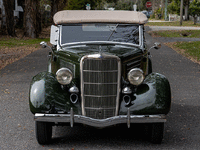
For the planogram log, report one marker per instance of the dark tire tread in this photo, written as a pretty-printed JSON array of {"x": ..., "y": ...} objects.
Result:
[
  {"x": 43, "y": 132},
  {"x": 156, "y": 135}
]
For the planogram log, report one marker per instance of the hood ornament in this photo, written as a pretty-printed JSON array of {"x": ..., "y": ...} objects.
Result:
[{"x": 100, "y": 52}]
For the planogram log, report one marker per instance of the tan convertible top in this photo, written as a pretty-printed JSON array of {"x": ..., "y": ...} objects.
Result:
[{"x": 98, "y": 16}]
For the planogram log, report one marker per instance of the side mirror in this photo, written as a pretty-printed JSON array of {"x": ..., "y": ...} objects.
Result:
[
  {"x": 43, "y": 44},
  {"x": 157, "y": 45}
]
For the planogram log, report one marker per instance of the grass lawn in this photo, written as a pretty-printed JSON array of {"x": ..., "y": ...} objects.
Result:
[
  {"x": 188, "y": 49},
  {"x": 176, "y": 33},
  {"x": 15, "y": 42}
]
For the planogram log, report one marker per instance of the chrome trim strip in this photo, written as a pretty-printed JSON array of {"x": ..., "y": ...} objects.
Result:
[
  {"x": 141, "y": 37},
  {"x": 100, "y": 56},
  {"x": 99, "y": 108},
  {"x": 60, "y": 36},
  {"x": 100, "y": 95},
  {"x": 128, "y": 118},
  {"x": 99, "y": 71},
  {"x": 101, "y": 42},
  {"x": 134, "y": 62},
  {"x": 71, "y": 118},
  {"x": 98, "y": 83}
]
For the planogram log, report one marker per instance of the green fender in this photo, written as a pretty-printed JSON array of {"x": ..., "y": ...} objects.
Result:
[
  {"x": 151, "y": 97},
  {"x": 46, "y": 95}
]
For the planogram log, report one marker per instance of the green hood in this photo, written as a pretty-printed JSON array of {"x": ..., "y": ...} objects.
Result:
[
  {"x": 70, "y": 57},
  {"x": 77, "y": 52}
]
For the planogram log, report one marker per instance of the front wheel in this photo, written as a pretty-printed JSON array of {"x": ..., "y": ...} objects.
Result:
[
  {"x": 156, "y": 132},
  {"x": 43, "y": 132}
]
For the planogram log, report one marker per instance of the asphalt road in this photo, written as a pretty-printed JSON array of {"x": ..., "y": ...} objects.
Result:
[{"x": 182, "y": 129}]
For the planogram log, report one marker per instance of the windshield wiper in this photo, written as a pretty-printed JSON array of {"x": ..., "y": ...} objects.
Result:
[{"x": 112, "y": 32}]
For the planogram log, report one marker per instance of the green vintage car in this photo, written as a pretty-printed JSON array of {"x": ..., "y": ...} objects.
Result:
[{"x": 99, "y": 74}]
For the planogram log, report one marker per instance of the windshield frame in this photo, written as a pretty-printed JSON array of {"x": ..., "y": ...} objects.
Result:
[{"x": 140, "y": 45}]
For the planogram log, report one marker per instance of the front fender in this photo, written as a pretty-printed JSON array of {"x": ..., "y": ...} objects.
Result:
[
  {"x": 46, "y": 94},
  {"x": 151, "y": 97}
]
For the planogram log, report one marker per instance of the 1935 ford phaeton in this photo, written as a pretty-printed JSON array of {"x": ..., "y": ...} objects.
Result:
[{"x": 99, "y": 74}]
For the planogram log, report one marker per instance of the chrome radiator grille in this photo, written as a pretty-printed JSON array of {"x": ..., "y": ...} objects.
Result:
[{"x": 100, "y": 78}]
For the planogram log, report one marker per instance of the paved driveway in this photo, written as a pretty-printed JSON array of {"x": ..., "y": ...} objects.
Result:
[{"x": 182, "y": 130}]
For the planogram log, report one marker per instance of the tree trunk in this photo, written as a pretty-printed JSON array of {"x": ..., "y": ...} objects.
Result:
[
  {"x": 54, "y": 7},
  {"x": 186, "y": 11},
  {"x": 10, "y": 24},
  {"x": 32, "y": 21},
  {"x": 195, "y": 19},
  {"x": 181, "y": 13}
]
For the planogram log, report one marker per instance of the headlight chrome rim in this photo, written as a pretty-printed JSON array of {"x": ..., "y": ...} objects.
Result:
[
  {"x": 136, "y": 76},
  {"x": 64, "y": 76}
]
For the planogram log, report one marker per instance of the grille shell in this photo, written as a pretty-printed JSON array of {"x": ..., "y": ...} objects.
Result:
[{"x": 100, "y": 85}]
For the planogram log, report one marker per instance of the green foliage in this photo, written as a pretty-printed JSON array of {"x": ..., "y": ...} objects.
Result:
[
  {"x": 79, "y": 4},
  {"x": 158, "y": 11},
  {"x": 124, "y": 5},
  {"x": 194, "y": 9},
  {"x": 174, "y": 7},
  {"x": 121, "y": 4}
]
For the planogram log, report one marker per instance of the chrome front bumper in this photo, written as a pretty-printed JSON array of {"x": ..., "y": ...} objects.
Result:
[{"x": 100, "y": 123}]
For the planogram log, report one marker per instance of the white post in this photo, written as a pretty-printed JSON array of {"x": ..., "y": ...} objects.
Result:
[
  {"x": 88, "y": 7},
  {"x": 134, "y": 7}
]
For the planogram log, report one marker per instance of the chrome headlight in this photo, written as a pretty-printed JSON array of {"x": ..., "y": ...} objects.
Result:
[
  {"x": 64, "y": 76},
  {"x": 136, "y": 76}
]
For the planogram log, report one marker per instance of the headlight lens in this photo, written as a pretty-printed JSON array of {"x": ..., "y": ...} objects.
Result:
[
  {"x": 136, "y": 76},
  {"x": 64, "y": 76}
]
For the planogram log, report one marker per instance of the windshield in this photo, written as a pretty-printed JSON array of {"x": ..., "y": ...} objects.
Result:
[{"x": 125, "y": 33}]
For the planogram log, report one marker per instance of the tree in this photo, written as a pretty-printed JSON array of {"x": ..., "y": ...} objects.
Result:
[
  {"x": 123, "y": 5},
  {"x": 80, "y": 4},
  {"x": 32, "y": 20},
  {"x": 174, "y": 7},
  {"x": 10, "y": 24},
  {"x": 54, "y": 7},
  {"x": 194, "y": 10}
]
